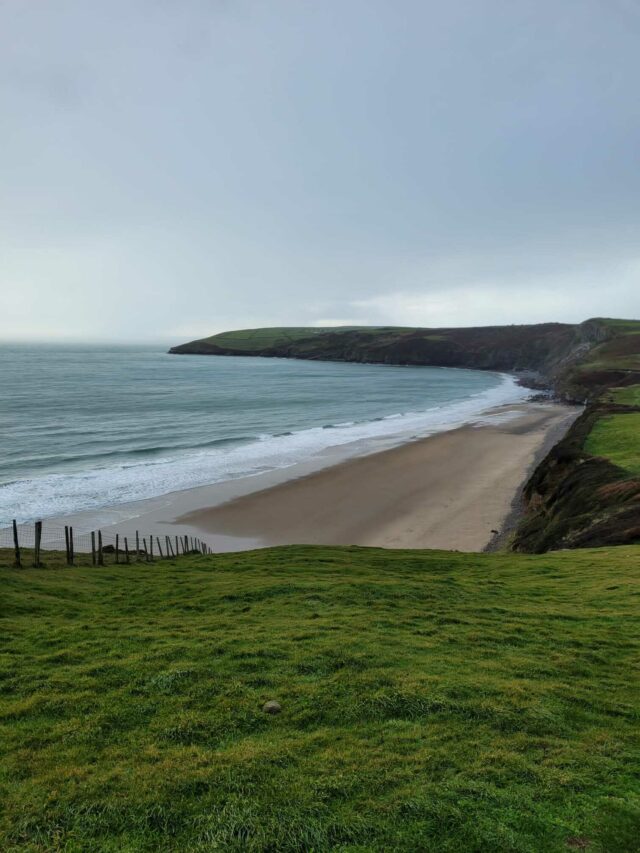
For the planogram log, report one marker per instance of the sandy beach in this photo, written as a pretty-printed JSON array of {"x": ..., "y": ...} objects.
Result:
[{"x": 451, "y": 490}]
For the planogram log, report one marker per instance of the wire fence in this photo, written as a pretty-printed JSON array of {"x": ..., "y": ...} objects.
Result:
[{"x": 29, "y": 541}]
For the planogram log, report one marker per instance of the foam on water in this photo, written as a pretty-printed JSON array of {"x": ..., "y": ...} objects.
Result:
[{"x": 66, "y": 492}]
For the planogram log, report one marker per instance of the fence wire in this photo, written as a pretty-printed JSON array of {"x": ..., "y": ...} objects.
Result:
[{"x": 101, "y": 547}]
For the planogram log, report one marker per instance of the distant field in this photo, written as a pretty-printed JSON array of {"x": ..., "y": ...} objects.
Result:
[
  {"x": 618, "y": 438},
  {"x": 430, "y": 701},
  {"x": 619, "y": 353},
  {"x": 627, "y": 396},
  {"x": 623, "y": 326},
  {"x": 258, "y": 339}
]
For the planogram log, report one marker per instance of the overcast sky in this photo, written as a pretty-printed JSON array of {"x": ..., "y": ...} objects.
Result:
[{"x": 173, "y": 168}]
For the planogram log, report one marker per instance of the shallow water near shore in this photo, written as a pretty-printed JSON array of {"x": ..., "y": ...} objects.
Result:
[{"x": 84, "y": 427}]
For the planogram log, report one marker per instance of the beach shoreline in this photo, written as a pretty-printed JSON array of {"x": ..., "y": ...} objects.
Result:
[
  {"x": 455, "y": 490},
  {"x": 452, "y": 489}
]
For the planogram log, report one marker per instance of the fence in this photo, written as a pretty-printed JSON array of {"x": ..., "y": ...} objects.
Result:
[{"x": 28, "y": 541}]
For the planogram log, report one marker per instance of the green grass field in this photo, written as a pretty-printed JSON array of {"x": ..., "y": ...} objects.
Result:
[
  {"x": 626, "y": 396},
  {"x": 617, "y": 437},
  {"x": 258, "y": 339},
  {"x": 621, "y": 326},
  {"x": 431, "y": 701},
  {"x": 250, "y": 339}
]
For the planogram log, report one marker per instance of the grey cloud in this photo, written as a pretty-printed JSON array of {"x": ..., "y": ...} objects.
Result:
[{"x": 285, "y": 163}]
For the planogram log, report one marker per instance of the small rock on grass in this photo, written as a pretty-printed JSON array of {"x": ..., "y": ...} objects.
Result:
[{"x": 272, "y": 707}]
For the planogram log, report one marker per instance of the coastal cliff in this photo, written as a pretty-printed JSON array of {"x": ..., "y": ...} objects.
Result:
[
  {"x": 580, "y": 497},
  {"x": 512, "y": 348},
  {"x": 581, "y": 494}
]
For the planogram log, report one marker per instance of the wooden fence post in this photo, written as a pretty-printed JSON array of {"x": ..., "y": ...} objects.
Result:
[
  {"x": 38, "y": 540},
  {"x": 93, "y": 548},
  {"x": 126, "y": 551},
  {"x": 71, "y": 553},
  {"x": 16, "y": 545},
  {"x": 66, "y": 542},
  {"x": 151, "y": 547},
  {"x": 100, "y": 557},
  {"x": 117, "y": 547},
  {"x": 160, "y": 548},
  {"x": 186, "y": 544},
  {"x": 137, "y": 547},
  {"x": 169, "y": 548},
  {"x": 146, "y": 553}
]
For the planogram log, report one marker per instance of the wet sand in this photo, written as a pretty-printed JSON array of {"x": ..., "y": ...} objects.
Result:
[{"x": 452, "y": 490}]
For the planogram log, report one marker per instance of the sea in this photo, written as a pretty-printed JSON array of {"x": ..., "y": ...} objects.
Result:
[{"x": 87, "y": 427}]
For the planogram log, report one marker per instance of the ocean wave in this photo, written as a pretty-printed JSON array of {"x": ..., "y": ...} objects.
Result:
[{"x": 225, "y": 459}]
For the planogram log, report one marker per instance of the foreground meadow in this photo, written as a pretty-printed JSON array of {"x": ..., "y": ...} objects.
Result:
[{"x": 431, "y": 701}]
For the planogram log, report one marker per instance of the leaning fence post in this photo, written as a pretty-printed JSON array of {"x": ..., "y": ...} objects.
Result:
[
  {"x": 126, "y": 550},
  {"x": 38, "y": 540},
  {"x": 160, "y": 548},
  {"x": 146, "y": 553},
  {"x": 93, "y": 548},
  {"x": 100, "y": 557},
  {"x": 16, "y": 544},
  {"x": 117, "y": 547},
  {"x": 169, "y": 548}
]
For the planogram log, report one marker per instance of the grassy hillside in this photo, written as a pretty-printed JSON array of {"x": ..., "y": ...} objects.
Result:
[
  {"x": 613, "y": 361},
  {"x": 587, "y": 490},
  {"x": 496, "y": 347},
  {"x": 617, "y": 437},
  {"x": 257, "y": 340},
  {"x": 580, "y": 361},
  {"x": 430, "y": 701},
  {"x": 626, "y": 396}
]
